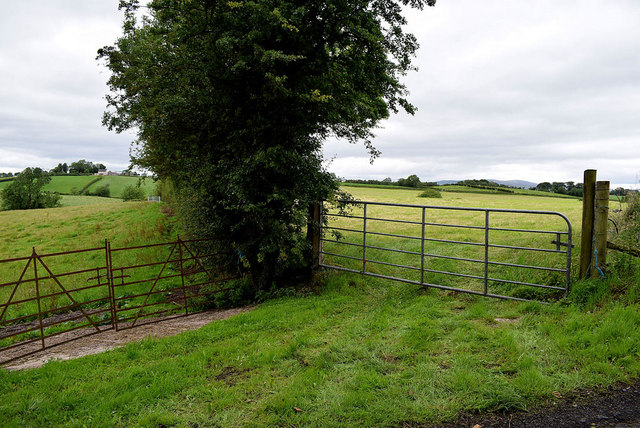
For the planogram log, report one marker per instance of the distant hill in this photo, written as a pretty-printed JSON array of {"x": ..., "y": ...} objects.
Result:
[{"x": 522, "y": 184}]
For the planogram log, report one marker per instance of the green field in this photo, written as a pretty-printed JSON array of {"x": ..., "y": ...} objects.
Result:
[
  {"x": 67, "y": 185},
  {"x": 118, "y": 183},
  {"x": 350, "y": 242},
  {"x": 454, "y": 188},
  {"x": 467, "y": 189},
  {"x": 355, "y": 351},
  {"x": 85, "y": 222}
]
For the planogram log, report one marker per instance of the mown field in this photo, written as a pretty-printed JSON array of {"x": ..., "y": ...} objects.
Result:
[{"x": 354, "y": 351}]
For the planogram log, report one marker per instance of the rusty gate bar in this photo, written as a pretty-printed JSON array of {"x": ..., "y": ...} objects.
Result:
[
  {"x": 35, "y": 276},
  {"x": 179, "y": 253},
  {"x": 19, "y": 326},
  {"x": 486, "y": 261}
]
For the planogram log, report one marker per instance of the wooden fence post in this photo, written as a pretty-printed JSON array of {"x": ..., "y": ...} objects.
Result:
[
  {"x": 600, "y": 226},
  {"x": 588, "y": 202}
]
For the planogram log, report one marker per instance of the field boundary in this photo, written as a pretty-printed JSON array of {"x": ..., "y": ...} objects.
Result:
[{"x": 116, "y": 289}]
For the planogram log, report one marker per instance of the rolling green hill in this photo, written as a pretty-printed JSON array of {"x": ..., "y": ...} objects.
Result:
[
  {"x": 67, "y": 185},
  {"x": 118, "y": 183}
]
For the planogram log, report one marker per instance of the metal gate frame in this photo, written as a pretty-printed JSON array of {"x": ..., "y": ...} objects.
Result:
[
  {"x": 103, "y": 274},
  {"x": 486, "y": 244}
]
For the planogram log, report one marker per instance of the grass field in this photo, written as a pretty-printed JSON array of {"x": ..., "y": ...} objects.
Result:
[
  {"x": 357, "y": 351},
  {"x": 453, "y": 188},
  {"x": 118, "y": 183},
  {"x": 66, "y": 185},
  {"x": 78, "y": 200},
  {"x": 85, "y": 223},
  {"x": 469, "y": 244}
]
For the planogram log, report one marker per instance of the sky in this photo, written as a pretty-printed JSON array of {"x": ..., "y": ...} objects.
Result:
[{"x": 536, "y": 91}]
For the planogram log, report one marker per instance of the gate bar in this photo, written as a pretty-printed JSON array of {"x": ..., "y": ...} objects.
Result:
[{"x": 486, "y": 244}]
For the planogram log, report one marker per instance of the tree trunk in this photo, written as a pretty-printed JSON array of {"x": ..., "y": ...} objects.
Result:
[{"x": 262, "y": 272}]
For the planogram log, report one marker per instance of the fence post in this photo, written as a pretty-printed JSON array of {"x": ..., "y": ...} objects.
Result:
[
  {"x": 112, "y": 302},
  {"x": 600, "y": 225},
  {"x": 586, "y": 240},
  {"x": 35, "y": 276}
]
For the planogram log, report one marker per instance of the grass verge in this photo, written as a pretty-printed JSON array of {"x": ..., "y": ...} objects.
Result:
[{"x": 360, "y": 352}]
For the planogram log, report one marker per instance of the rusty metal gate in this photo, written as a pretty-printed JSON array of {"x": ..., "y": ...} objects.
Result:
[
  {"x": 50, "y": 299},
  {"x": 501, "y": 253}
]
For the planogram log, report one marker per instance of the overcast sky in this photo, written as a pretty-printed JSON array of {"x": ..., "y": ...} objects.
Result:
[{"x": 535, "y": 91}]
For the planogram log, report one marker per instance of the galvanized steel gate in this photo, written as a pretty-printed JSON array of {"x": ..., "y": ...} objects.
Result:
[{"x": 362, "y": 239}]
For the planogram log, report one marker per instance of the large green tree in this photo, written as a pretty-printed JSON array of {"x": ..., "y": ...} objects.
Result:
[
  {"x": 25, "y": 191},
  {"x": 232, "y": 101}
]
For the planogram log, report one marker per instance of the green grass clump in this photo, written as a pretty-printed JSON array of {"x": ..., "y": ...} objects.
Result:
[{"x": 430, "y": 193}]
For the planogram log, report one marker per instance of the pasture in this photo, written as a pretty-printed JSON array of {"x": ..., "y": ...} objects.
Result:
[
  {"x": 68, "y": 185},
  {"x": 85, "y": 223},
  {"x": 118, "y": 183},
  {"x": 354, "y": 351},
  {"x": 344, "y": 240}
]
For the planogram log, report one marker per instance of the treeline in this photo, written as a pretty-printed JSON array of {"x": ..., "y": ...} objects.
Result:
[
  {"x": 80, "y": 167},
  {"x": 411, "y": 181},
  {"x": 414, "y": 181},
  {"x": 562, "y": 188}
]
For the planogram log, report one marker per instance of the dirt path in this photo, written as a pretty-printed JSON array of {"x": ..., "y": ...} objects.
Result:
[
  {"x": 616, "y": 407},
  {"x": 110, "y": 339}
]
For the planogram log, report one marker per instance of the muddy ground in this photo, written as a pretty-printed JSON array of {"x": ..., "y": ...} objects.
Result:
[{"x": 618, "y": 406}]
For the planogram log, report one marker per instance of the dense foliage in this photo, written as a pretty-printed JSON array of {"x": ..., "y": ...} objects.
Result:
[
  {"x": 233, "y": 100},
  {"x": 103, "y": 191},
  {"x": 562, "y": 188},
  {"x": 132, "y": 193},
  {"x": 25, "y": 191},
  {"x": 83, "y": 167},
  {"x": 630, "y": 224},
  {"x": 430, "y": 193}
]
